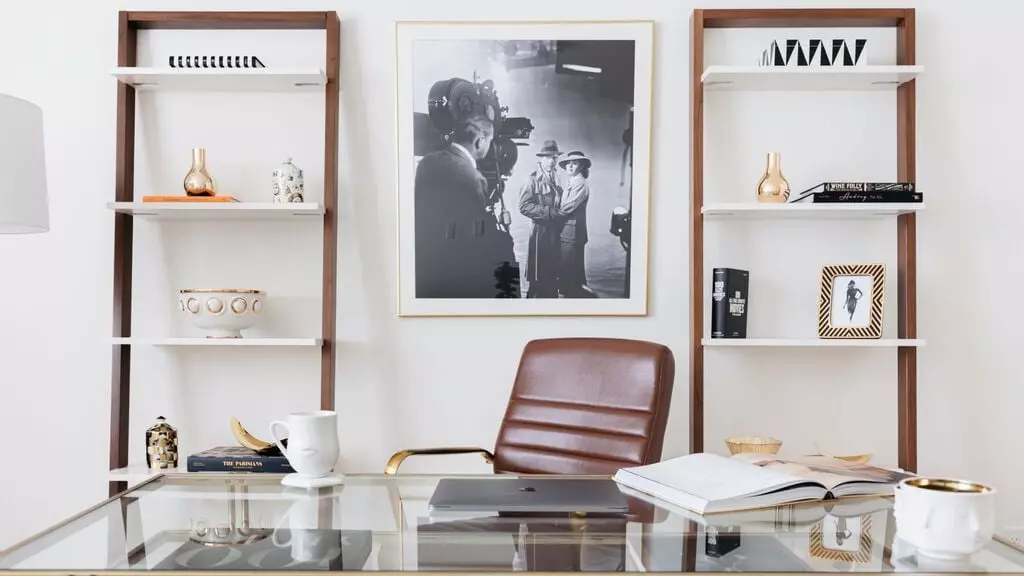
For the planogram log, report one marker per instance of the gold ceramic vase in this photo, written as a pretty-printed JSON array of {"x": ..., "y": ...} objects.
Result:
[
  {"x": 773, "y": 186},
  {"x": 198, "y": 181}
]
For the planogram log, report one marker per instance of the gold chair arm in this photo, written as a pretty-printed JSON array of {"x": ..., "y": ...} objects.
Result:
[{"x": 396, "y": 460}]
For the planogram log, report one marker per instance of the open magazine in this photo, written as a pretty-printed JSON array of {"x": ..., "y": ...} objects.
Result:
[{"x": 709, "y": 483}]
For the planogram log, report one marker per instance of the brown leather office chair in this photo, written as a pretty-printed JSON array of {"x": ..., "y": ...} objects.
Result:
[{"x": 580, "y": 406}]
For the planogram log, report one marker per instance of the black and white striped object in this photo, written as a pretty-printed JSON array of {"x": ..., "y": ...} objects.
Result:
[
  {"x": 818, "y": 52},
  {"x": 214, "y": 62}
]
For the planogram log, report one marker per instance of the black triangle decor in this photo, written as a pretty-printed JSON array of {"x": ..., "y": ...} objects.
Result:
[
  {"x": 847, "y": 57},
  {"x": 801, "y": 57},
  {"x": 780, "y": 60},
  {"x": 824, "y": 60},
  {"x": 837, "y": 48},
  {"x": 812, "y": 50},
  {"x": 859, "y": 50},
  {"x": 791, "y": 46}
]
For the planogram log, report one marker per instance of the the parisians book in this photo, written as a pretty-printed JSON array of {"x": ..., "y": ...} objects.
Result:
[
  {"x": 709, "y": 483},
  {"x": 237, "y": 459},
  {"x": 729, "y": 288}
]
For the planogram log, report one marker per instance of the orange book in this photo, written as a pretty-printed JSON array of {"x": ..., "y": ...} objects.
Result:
[{"x": 190, "y": 199}]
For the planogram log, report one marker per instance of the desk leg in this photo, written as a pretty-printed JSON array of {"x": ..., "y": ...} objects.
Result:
[
  {"x": 325, "y": 508},
  {"x": 690, "y": 547},
  {"x": 390, "y": 550},
  {"x": 119, "y": 523}
]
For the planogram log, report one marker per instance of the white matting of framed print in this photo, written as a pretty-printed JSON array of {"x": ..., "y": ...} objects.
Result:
[{"x": 523, "y": 167}]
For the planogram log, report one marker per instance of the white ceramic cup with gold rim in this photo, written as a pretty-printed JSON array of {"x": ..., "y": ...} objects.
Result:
[
  {"x": 944, "y": 518},
  {"x": 223, "y": 312}
]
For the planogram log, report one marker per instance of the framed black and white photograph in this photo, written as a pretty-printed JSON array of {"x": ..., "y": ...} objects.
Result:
[
  {"x": 851, "y": 301},
  {"x": 523, "y": 167}
]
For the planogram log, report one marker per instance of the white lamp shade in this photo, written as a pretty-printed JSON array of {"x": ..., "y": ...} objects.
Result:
[{"x": 23, "y": 201}]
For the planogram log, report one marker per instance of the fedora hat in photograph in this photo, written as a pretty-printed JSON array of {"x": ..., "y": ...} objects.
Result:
[
  {"x": 574, "y": 155},
  {"x": 550, "y": 149}
]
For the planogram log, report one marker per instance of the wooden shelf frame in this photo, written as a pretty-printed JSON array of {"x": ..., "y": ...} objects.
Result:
[
  {"x": 128, "y": 26},
  {"x": 903, "y": 20}
]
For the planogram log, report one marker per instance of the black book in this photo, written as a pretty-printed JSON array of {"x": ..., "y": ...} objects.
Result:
[
  {"x": 872, "y": 197},
  {"x": 729, "y": 302},
  {"x": 867, "y": 187},
  {"x": 237, "y": 459}
]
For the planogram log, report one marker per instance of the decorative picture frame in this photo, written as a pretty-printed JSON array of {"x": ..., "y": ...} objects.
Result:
[
  {"x": 579, "y": 93},
  {"x": 845, "y": 288}
]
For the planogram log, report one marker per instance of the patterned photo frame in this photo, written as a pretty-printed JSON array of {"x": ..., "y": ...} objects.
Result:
[{"x": 839, "y": 317}]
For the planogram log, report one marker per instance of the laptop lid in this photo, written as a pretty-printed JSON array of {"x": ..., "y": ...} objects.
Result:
[{"x": 509, "y": 494}]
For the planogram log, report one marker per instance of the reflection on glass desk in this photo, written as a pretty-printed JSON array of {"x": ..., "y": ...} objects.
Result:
[{"x": 250, "y": 522}]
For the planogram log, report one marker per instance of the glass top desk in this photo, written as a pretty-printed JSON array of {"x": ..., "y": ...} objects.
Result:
[{"x": 250, "y": 522}]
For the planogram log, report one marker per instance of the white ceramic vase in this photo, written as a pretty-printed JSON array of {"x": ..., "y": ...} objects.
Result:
[{"x": 288, "y": 183}]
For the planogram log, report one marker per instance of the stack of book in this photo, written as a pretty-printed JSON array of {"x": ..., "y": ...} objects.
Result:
[{"x": 860, "y": 192}]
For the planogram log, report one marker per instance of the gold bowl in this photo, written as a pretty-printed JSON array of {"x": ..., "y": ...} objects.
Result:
[{"x": 760, "y": 444}]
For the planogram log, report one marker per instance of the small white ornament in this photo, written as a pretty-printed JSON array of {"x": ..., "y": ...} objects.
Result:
[{"x": 288, "y": 183}]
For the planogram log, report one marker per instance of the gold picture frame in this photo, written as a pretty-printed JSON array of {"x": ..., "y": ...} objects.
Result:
[{"x": 840, "y": 312}]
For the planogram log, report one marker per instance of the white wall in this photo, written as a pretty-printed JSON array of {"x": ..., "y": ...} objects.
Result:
[{"x": 414, "y": 382}]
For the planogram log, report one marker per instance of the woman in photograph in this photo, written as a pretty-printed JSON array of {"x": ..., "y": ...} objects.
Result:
[
  {"x": 572, "y": 277},
  {"x": 853, "y": 294}
]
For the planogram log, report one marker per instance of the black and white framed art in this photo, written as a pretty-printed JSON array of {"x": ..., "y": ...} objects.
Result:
[
  {"x": 523, "y": 167},
  {"x": 850, "y": 302}
]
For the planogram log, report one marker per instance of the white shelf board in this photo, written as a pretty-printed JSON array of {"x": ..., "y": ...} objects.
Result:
[
  {"x": 222, "y": 80},
  {"x": 219, "y": 210},
  {"x": 812, "y": 342},
  {"x": 135, "y": 473},
  {"x": 754, "y": 210},
  {"x": 807, "y": 78},
  {"x": 235, "y": 342}
]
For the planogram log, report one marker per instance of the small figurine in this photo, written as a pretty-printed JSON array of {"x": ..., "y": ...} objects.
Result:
[
  {"x": 288, "y": 183},
  {"x": 161, "y": 445}
]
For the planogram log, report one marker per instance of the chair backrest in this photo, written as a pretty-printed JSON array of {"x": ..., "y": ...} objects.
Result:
[{"x": 586, "y": 406}]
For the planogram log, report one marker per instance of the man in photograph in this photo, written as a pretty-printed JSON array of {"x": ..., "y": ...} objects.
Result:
[
  {"x": 540, "y": 200},
  {"x": 460, "y": 250}
]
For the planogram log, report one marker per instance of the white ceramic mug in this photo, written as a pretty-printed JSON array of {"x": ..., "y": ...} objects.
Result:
[
  {"x": 943, "y": 518},
  {"x": 312, "y": 442}
]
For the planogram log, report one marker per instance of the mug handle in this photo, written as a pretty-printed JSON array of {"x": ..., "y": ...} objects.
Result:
[
  {"x": 277, "y": 440},
  {"x": 277, "y": 542}
]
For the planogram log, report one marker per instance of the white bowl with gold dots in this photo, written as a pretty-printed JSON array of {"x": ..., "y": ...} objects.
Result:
[{"x": 223, "y": 312}]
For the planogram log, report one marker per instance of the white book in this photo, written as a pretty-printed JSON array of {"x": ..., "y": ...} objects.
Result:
[{"x": 709, "y": 483}]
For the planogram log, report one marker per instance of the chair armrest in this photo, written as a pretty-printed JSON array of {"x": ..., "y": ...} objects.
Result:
[{"x": 396, "y": 460}]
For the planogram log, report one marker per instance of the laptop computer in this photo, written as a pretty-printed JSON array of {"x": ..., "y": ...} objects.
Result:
[{"x": 592, "y": 495}]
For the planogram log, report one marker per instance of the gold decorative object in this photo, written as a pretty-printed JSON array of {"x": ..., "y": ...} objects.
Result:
[
  {"x": 760, "y": 444},
  {"x": 161, "y": 445},
  {"x": 949, "y": 485},
  {"x": 245, "y": 439},
  {"x": 773, "y": 186},
  {"x": 198, "y": 181}
]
